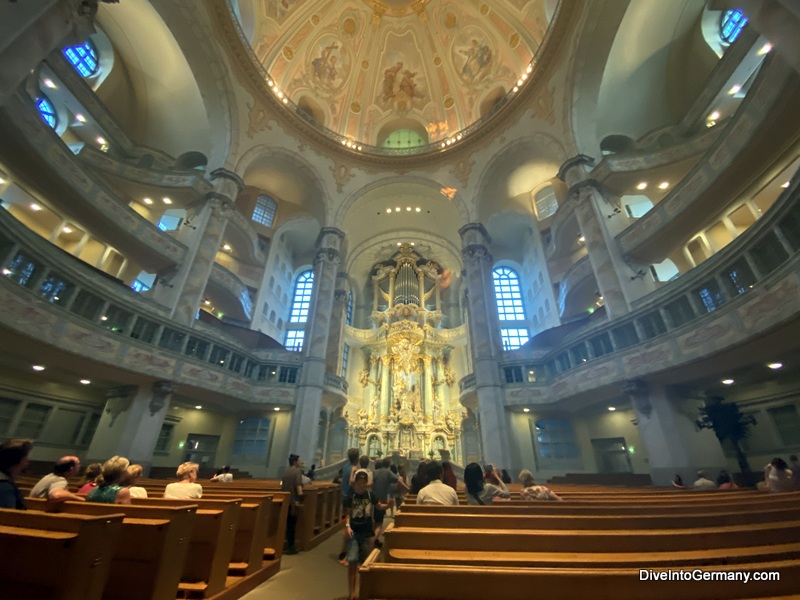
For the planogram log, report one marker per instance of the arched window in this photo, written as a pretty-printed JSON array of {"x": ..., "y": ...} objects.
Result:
[
  {"x": 545, "y": 202},
  {"x": 84, "y": 58},
  {"x": 264, "y": 211},
  {"x": 508, "y": 298},
  {"x": 404, "y": 138},
  {"x": 47, "y": 111},
  {"x": 302, "y": 297},
  {"x": 731, "y": 24}
]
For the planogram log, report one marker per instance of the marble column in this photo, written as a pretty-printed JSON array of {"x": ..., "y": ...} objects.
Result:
[
  {"x": 332, "y": 355},
  {"x": 428, "y": 374},
  {"x": 305, "y": 419},
  {"x": 592, "y": 211},
  {"x": 183, "y": 290},
  {"x": 667, "y": 429},
  {"x": 31, "y": 30},
  {"x": 386, "y": 398},
  {"x": 131, "y": 422},
  {"x": 484, "y": 337}
]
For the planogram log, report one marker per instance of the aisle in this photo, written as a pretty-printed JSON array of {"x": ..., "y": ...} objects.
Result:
[{"x": 315, "y": 575}]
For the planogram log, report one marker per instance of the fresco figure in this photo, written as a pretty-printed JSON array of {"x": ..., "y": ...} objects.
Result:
[
  {"x": 325, "y": 64},
  {"x": 389, "y": 78},
  {"x": 478, "y": 57}
]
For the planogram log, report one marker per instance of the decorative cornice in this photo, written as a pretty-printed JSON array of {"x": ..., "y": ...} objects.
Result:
[
  {"x": 229, "y": 175},
  {"x": 581, "y": 159}
]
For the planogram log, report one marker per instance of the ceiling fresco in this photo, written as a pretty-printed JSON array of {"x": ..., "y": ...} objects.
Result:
[{"x": 365, "y": 68}]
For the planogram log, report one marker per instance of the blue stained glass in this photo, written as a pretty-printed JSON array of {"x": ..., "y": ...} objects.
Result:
[
  {"x": 47, "y": 111},
  {"x": 731, "y": 25},
  {"x": 84, "y": 58}
]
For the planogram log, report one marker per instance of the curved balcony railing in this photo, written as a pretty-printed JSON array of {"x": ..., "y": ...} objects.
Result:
[
  {"x": 754, "y": 281},
  {"x": 577, "y": 273},
  {"x": 336, "y": 383},
  {"x": 227, "y": 280},
  {"x": 467, "y": 384},
  {"x": 763, "y": 105},
  {"x": 58, "y": 300}
]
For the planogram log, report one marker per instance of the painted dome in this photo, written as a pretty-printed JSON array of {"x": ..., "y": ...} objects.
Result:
[{"x": 397, "y": 74}]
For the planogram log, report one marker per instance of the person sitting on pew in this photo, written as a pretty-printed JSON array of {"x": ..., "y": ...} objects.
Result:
[
  {"x": 480, "y": 492},
  {"x": 531, "y": 491},
  {"x": 436, "y": 492},
  {"x": 677, "y": 482},
  {"x": 778, "y": 477},
  {"x": 223, "y": 475},
  {"x": 186, "y": 488},
  {"x": 504, "y": 476},
  {"x": 109, "y": 488},
  {"x": 89, "y": 480},
  {"x": 53, "y": 486},
  {"x": 13, "y": 461},
  {"x": 703, "y": 482},
  {"x": 361, "y": 506},
  {"x": 724, "y": 481},
  {"x": 420, "y": 479},
  {"x": 132, "y": 475},
  {"x": 448, "y": 475}
]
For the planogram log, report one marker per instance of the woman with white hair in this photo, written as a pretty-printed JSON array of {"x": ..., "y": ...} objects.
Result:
[
  {"x": 531, "y": 491},
  {"x": 186, "y": 488}
]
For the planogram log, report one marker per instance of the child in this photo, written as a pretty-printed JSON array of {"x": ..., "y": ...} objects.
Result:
[{"x": 359, "y": 525}]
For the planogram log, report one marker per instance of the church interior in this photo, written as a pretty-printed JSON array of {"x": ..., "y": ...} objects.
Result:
[{"x": 537, "y": 234}]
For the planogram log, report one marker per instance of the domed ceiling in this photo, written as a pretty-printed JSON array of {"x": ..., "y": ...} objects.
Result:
[{"x": 366, "y": 68}]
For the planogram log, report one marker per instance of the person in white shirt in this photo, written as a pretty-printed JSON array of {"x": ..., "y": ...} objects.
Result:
[
  {"x": 186, "y": 488},
  {"x": 132, "y": 475},
  {"x": 436, "y": 492},
  {"x": 703, "y": 482},
  {"x": 224, "y": 475}
]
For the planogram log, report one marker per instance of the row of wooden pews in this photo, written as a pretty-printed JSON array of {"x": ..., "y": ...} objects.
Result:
[
  {"x": 598, "y": 543},
  {"x": 219, "y": 546}
]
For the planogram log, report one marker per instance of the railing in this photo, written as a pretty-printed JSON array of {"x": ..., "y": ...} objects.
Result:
[
  {"x": 467, "y": 383},
  {"x": 335, "y": 382},
  {"x": 106, "y": 321}
]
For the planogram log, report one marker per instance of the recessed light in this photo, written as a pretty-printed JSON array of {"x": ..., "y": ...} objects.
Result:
[
  {"x": 167, "y": 200},
  {"x": 642, "y": 185},
  {"x": 612, "y": 408},
  {"x": 418, "y": 209},
  {"x": 7, "y": 272},
  {"x": 785, "y": 185},
  {"x": 581, "y": 239},
  {"x": 399, "y": 243},
  {"x": 206, "y": 302},
  {"x": 80, "y": 118},
  {"x": 775, "y": 365},
  {"x": 35, "y": 207},
  {"x": 199, "y": 407},
  {"x": 727, "y": 381},
  {"x": 102, "y": 141},
  {"x": 277, "y": 408},
  {"x": 663, "y": 185},
  {"x": 227, "y": 247},
  {"x": 104, "y": 318},
  {"x": 765, "y": 49},
  {"x": 388, "y": 210},
  {"x": 408, "y": 208},
  {"x": 735, "y": 89},
  {"x": 147, "y": 200},
  {"x": 49, "y": 83},
  {"x": 66, "y": 229},
  {"x": 397, "y": 209},
  {"x": 85, "y": 381},
  {"x": 38, "y": 367},
  {"x": 526, "y": 410},
  {"x": 2, "y": 181},
  {"x": 714, "y": 116}
]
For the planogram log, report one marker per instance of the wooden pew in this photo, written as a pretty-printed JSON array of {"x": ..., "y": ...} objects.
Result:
[
  {"x": 149, "y": 559},
  {"x": 56, "y": 557},
  {"x": 211, "y": 545},
  {"x": 439, "y": 582},
  {"x": 645, "y": 540}
]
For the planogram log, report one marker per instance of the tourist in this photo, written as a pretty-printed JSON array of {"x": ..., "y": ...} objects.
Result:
[
  {"x": 187, "y": 487},
  {"x": 677, "y": 482},
  {"x": 400, "y": 494},
  {"x": 13, "y": 461},
  {"x": 360, "y": 505},
  {"x": 53, "y": 486},
  {"x": 778, "y": 477},
  {"x": 223, "y": 475},
  {"x": 724, "y": 481},
  {"x": 132, "y": 475},
  {"x": 110, "y": 488},
  {"x": 292, "y": 482},
  {"x": 531, "y": 491},
  {"x": 312, "y": 472},
  {"x": 448, "y": 475},
  {"x": 505, "y": 477},
  {"x": 346, "y": 473},
  {"x": 703, "y": 482},
  {"x": 420, "y": 479},
  {"x": 89, "y": 480},
  {"x": 480, "y": 492},
  {"x": 363, "y": 465},
  {"x": 381, "y": 484},
  {"x": 436, "y": 492}
]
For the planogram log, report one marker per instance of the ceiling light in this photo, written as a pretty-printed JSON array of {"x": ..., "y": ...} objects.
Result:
[
  {"x": 524, "y": 76},
  {"x": 663, "y": 185},
  {"x": 714, "y": 116},
  {"x": 147, "y": 200},
  {"x": 85, "y": 381},
  {"x": 612, "y": 408},
  {"x": 388, "y": 210},
  {"x": 526, "y": 410},
  {"x": 7, "y": 272},
  {"x": 49, "y": 83},
  {"x": 199, "y": 407},
  {"x": 412, "y": 243},
  {"x": 642, "y": 186},
  {"x": 104, "y": 318},
  {"x": 408, "y": 208},
  {"x": 397, "y": 209},
  {"x": 167, "y": 201},
  {"x": 277, "y": 408},
  {"x": 35, "y": 207},
  {"x": 418, "y": 209},
  {"x": 775, "y": 365},
  {"x": 735, "y": 89},
  {"x": 399, "y": 243},
  {"x": 514, "y": 89},
  {"x": 80, "y": 118},
  {"x": 727, "y": 381},
  {"x": 227, "y": 247},
  {"x": 529, "y": 69},
  {"x": 101, "y": 140},
  {"x": 66, "y": 229},
  {"x": 581, "y": 239},
  {"x": 206, "y": 302},
  {"x": 38, "y": 367},
  {"x": 2, "y": 181},
  {"x": 765, "y": 49},
  {"x": 785, "y": 185}
]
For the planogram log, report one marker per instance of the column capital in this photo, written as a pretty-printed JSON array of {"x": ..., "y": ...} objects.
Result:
[
  {"x": 221, "y": 204},
  {"x": 227, "y": 176},
  {"x": 474, "y": 233},
  {"x": 639, "y": 392},
  {"x": 330, "y": 237},
  {"x": 119, "y": 399},
  {"x": 576, "y": 168},
  {"x": 162, "y": 393},
  {"x": 340, "y": 296},
  {"x": 476, "y": 253}
]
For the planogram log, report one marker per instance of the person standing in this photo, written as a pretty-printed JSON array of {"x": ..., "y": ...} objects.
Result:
[
  {"x": 347, "y": 472},
  {"x": 382, "y": 482},
  {"x": 292, "y": 482}
]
